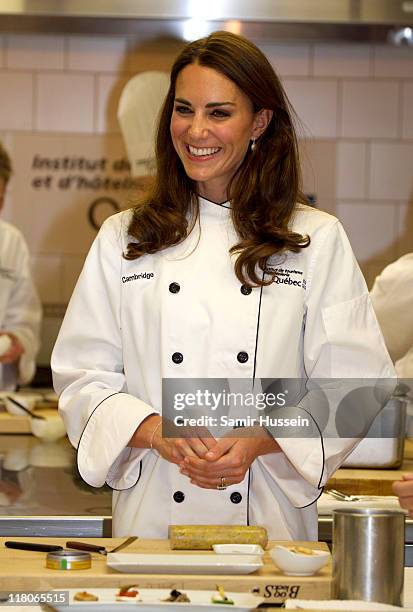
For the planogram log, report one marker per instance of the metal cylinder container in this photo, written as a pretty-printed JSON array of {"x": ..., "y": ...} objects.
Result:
[
  {"x": 368, "y": 554},
  {"x": 68, "y": 560}
]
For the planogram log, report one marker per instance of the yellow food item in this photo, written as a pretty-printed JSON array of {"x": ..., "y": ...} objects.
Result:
[
  {"x": 302, "y": 550},
  {"x": 203, "y": 537},
  {"x": 85, "y": 596},
  {"x": 221, "y": 597}
]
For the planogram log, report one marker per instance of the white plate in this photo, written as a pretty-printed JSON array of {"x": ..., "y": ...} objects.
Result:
[
  {"x": 238, "y": 549},
  {"x": 183, "y": 564},
  {"x": 200, "y": 601}
]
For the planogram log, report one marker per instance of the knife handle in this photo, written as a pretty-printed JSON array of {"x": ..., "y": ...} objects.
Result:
[
  {"x": 88, "y": 547},
  {"x": 32, "y": 546}
]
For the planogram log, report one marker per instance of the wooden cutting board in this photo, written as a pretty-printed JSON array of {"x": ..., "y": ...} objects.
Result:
[
  {"x": 25, "y": 570},
  {"x": 367, "y": 481},
  {"x": 20, "y": 424}
]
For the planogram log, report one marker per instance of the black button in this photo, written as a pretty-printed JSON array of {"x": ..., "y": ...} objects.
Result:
[
  {"x": 236, "y": 497},
  {"x": 242, "y": 357},
  {"x": 245, "y": 290},
  {"x": 174, "y": 288},
  {"x": 178, "y": 358},
  {"x": 179, "y": 497}
]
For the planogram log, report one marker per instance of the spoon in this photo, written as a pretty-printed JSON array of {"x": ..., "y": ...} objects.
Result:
[{"x": 32, "y": 414}]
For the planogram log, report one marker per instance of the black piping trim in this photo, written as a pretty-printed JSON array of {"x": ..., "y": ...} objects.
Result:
[
  {"x": 313, "y": 502},
  {"x": 223, "y": 204},
  {"x": 322, "y": 448},
  {"x": 80, "y": 439},
  {"x": 324, "y": 461},
  {"x": 253, "y": 382},
  {"x": 256, "y": 335},
  {"x": 131, "y": 487},
  {"x": 316, "y": 424},
  {"x": 248, "y": 496}
]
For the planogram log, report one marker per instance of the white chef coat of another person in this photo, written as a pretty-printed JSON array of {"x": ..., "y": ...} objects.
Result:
[
  {"x": 20, "y": 309},
  {"x": 182, "y": 311},
  {"x": 392, "y": 297}
]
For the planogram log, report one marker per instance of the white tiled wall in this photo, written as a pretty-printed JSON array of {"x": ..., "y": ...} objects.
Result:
[
  {"x": 407, "y": 110},
  {"x": 394, "y": 62},
  {"x": 391, "y": 171},
  {"x": 96, "y": 54},
  {"x": 109, "y": 88},
  {"x": 342, "y": 60},
  {"x": 354, "y": 101},
  {"x": 351, "y": 170},
  {"x": 370, "y": 109},
  {"x": 65, "y": 102},
  {"x": 17, "y": 100},
  {"x": 315, "y": 102},
  {"x": 27, "y": 52},
  {"x": 290, "y": 60}
]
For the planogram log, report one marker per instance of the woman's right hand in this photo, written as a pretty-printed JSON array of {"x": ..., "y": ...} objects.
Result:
[
  {"x": 404, "y": 490},
  {"x": 175, "y": 449},
  {"x": 159, "y": 434}
]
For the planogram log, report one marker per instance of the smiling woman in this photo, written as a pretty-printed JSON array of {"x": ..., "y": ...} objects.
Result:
[
  {"x": 225, "y": 133},
  {"x": 220, "y": 277},
  {"x": 210, "y": 136}
]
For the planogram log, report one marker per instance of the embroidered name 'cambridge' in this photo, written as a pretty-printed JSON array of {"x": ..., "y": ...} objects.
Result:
[{"x": 132, "y": 277}]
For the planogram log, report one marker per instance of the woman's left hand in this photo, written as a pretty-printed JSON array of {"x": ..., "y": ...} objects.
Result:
[
  {"x": 15, "y": 351},
  {"x": 229, "y": 458}
]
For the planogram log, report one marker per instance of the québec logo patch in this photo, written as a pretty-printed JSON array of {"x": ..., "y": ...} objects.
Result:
[
  {"x": 287, "y": 276},
  {"x": 135, "y": 277}
]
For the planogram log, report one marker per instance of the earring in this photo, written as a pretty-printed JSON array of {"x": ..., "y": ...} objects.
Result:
[{"x": 253, "y": 144}]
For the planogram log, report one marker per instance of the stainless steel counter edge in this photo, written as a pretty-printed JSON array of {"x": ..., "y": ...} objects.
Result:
[
  {"x": 56, "y": 526},
  {"x": 101, "y": 526}
]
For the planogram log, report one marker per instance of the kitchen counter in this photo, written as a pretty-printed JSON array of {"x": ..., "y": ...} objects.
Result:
[{"x": 25, "y": 570}]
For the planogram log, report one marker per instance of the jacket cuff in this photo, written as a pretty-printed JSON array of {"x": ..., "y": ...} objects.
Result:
[
  {"x": 298, "y": 469},
  {"x": 103, "y": 451}
]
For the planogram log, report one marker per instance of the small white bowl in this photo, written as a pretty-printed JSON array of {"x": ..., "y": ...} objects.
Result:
[
  {"x": 238, "y": 549},
  {"x": 51, "y": 454},
  {"x": 49, "y": 429},
  {"x": 298, "y": 564},
  {"x": 16, "y": 459},
  {"x": 27, "y": 400}
]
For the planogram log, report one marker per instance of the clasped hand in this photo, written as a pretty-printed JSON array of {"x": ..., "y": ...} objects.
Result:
[{"x": 205, "y": 460}]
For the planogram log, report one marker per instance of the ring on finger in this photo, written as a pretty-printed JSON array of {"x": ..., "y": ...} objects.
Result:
[{"x": 222, "y": 485}]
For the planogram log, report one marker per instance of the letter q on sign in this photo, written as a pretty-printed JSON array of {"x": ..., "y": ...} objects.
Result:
[{"x": 100, "y": 210}]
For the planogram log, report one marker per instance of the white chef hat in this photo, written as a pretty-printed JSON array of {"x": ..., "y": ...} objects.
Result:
[{"x": 138, "y": 112}]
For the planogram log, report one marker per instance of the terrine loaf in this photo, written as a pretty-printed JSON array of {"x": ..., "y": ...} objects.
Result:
[{"x": 203, "y": 537}]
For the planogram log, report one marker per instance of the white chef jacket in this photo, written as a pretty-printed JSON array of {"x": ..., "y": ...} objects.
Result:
[
  {"x": 392, "y": 296},
  {"x": 124, "y": 324},
  {"x": 20, "y": 309}
]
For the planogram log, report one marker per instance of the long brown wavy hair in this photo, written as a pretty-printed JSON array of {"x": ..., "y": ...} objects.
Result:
[{"x": 266, "y": 187}]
